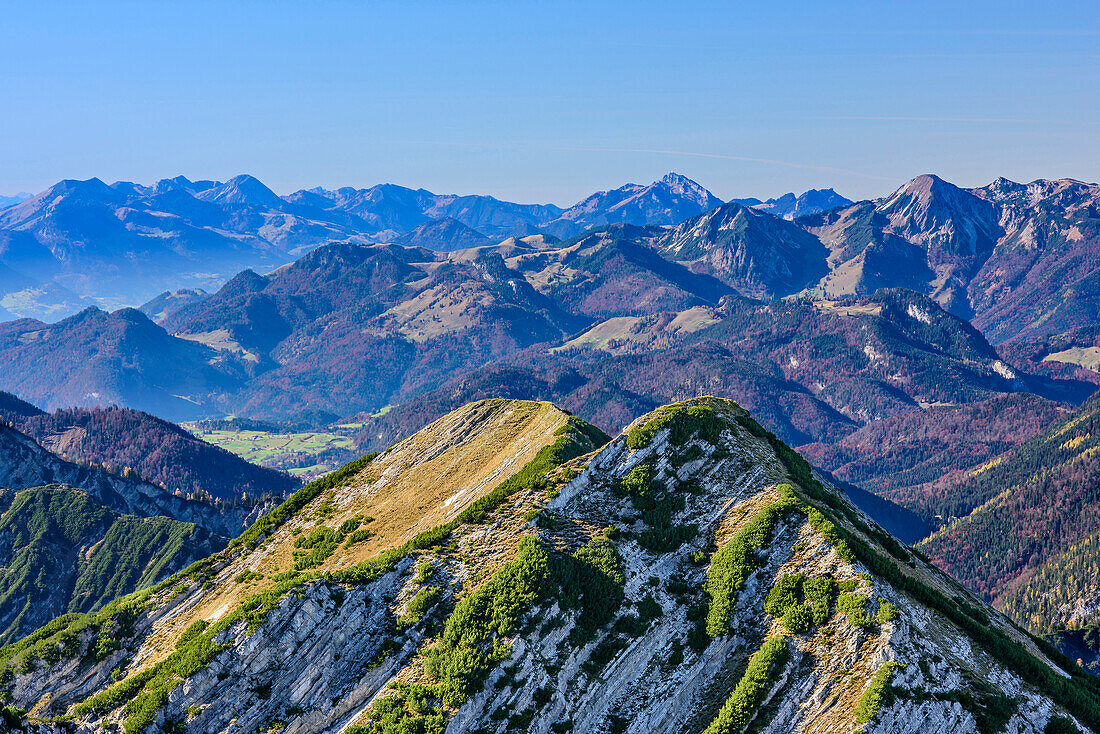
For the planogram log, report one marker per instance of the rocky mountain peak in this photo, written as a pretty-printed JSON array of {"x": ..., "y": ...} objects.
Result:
[
  {"x": 243, "y": 189},
  {"x": 683, "y": 186},
  {"x": 504, "y": 568},
  {"x": 758, "y": 254}
]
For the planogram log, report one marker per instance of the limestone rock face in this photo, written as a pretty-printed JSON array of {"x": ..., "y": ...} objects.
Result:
[{"x": 692, "y": 575}]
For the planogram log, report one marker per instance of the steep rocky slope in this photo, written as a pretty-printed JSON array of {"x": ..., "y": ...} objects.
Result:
[
  {"x": 24, "y": 463},
  {"x": 929, "y": 235},
  {"x": 1020, "y": 260},
  {"x": 496, "y": 572},
  {"x": 159, "y": 451},
  {"x": 1041, "y": 279},
  {"x": 757, "y": 254}
]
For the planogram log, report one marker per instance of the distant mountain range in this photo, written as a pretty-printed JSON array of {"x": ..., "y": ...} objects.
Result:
[
  {"x": 1019, "y": 260},
  {"x": 937, "y": 347},
  {"x": 353, "y": 327},
  {"x": 792, "y": 206},
  {"x": 82, "y": 243},
  {"x": 604, "y": 324},
  {"x": 6, "y": 201}
]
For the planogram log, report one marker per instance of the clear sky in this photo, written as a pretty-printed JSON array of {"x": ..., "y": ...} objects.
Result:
[{"x": 550, "y": 101}]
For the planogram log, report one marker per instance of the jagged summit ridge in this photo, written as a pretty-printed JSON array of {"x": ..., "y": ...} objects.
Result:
[{"x": 500, "y": 571}]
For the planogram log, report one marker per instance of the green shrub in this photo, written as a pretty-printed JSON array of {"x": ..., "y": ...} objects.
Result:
[
  {"x": 658, "y": 505},
  {"x": 317, "y": 547},
  {"x": 1077, "y": 690},
  {"x": 350, "y": 525},
  {"x": 676, "y": 657},
  {"x": 876, "y": 695},
  {"x": 741, "y": 705},
  {"x": 855, "y": 607},
  {"x": 424, "y": 571},
  {"x": 421, "y": 602},
  {"x": 592, "y": 579},
  {"x": 660, "y": 540},
  {"x": 247, "y": 576},
  {"x": 192, "y": 631},
  {"x": 494, "y": 607},
  {"x": 603, "y": 654},
  {"x": 324, "y": 508},
  {"x": 424, "y": 600},
  {"x": 358, "y": 536},
  {"x": 820, "y": 592},
  {"x": 683, "y": 423},
  {"x": 691, "y": 453},
  {"x": 461, "y": 660},
  {"x": 12, "y": 717},
  {"x": 649, "y": 609},
  {"x": 785, "y": 593},
  {"x": 887, "y": 612},
  {"x": 797, "y": 618},
  {"x": 731, "y": 566},
  {"x": 1060, "y": 725},
  {"x": 411, "y": 710},
  {"x": 641, "y": 486}
]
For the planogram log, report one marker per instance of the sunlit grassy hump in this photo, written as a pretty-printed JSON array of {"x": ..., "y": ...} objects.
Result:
[
  {"x": 420, "y": 483},
  {"x": 349, "y": 527}
]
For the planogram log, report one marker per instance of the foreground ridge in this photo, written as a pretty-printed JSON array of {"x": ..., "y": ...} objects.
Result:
[{"x": 510, "y": 569}]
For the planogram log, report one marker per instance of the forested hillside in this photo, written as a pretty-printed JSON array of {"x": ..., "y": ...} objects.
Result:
[
  {"x": 159, "y": 451},
  {"x": 909, "y": 457},
  {"x": 63, "y": 551},
  {"x": 813, "y": 371},
  {"x": 1023, "y": 509}
]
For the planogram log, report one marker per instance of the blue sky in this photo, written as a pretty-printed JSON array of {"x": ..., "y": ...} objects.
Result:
[{"x": 550, "y": 101}]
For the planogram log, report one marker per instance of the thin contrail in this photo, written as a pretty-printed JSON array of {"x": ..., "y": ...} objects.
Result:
[
  {"x": 936, "y": 119},
  {"x": 770, "y": 161}
]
